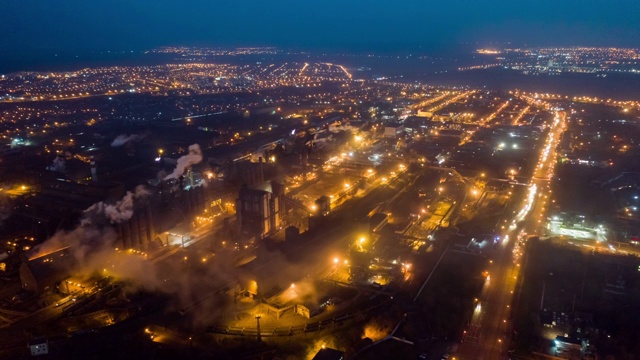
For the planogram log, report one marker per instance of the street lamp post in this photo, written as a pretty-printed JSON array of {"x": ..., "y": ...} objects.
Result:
[{"x": 258, "y": 327}]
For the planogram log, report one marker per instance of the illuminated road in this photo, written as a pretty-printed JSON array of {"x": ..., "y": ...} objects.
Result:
[
  {"x": 345, "y": 71},
  {"x": 493, "y": 115},
  {"x": 488, "y": 334},
  {"x": 522, "y": 113},
  {"x": 454, "y": 99},
  {"x": 430, "y": 101}
]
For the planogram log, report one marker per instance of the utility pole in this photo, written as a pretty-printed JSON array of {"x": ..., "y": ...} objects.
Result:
[{"x": 258, "y": 327}]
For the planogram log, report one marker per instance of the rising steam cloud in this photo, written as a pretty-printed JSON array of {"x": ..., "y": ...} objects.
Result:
[
  {"x": 115, "y": 213},
  {"x": 92, "y": 246},
  {"x": 58, "y": 165},
  {"x": 123, "y": 139},
  {"x": 193, "y": 157},
  {"x": 92, "y": 235}
]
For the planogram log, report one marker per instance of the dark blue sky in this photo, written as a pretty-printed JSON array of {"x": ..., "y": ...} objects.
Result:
[{"x": 31, "y": 26}]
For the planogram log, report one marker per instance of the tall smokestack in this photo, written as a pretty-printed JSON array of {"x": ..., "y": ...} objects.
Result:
[
  {"x": 94, "y": 170},
  {"x": 260, "y": 171}
]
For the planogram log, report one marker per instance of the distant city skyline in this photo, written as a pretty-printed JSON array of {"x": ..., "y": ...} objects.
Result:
[{"x": 30, "y": 27}]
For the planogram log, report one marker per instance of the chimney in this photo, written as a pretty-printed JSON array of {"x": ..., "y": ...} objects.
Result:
[
  {"x": 94, "y": 170},
  {"x": 260, "y": 170}
]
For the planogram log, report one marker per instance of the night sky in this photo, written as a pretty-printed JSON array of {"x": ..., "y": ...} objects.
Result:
[{"x": 31, "y": 26}]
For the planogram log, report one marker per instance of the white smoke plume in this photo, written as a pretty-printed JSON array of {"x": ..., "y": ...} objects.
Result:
[
  {"x": 58, "y": 165},
  {"x": 193, "y": 157},
  {"x": 120, "y": 211},
  {"x": 196, "y": 288},
  {"x": 91, "y": 235},
  {"x": 123, "y": 139}
]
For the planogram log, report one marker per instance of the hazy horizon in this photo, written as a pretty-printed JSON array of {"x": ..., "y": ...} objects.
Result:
[{"x": 29, "y": 28}]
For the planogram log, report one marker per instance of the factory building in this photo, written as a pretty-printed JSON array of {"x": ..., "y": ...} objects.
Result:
[
  {"x": 252, "y": 173},
  {"x": 393, "y": 130},
  {"x": 258, "y": 211},
  {"x": 137, "y": 232},
  {"x": 46, "y": 273},
  {"x": 328, "y": 354},
  {"x": 193, "y": 200}
]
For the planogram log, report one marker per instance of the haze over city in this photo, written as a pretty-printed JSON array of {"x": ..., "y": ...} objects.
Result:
[{"x": 320, "y": 180}]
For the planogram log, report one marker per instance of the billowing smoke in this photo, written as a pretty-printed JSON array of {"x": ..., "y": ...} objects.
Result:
[
  {"x": 94, "y": 250},
  {"x": 58, "y": 165},
  {"x": 115, "y": 213},
  {"x": 196, "y": 285},
  {"x": 123, "y": 139},
  {"x": 92, "y": 235},
  {"x": 193, "y": 157}
]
